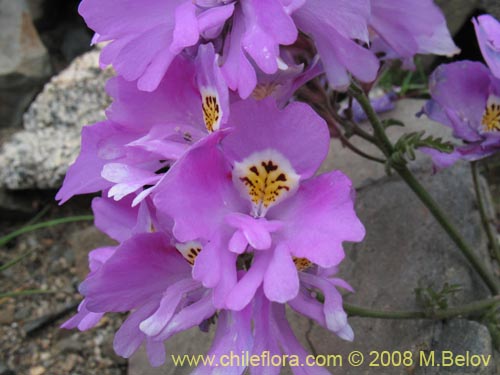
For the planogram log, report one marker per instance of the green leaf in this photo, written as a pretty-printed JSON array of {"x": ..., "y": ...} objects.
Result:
[
  {"x": 404, "y": 148},
  {"x": 405, "y": 86},
  {"x": 434, "y": 300},
  {"x": 46, "y": 224},
  {"x": 28, "y": 292},
  {"x": 29, "y": 228},
  {"x": 392, "y": 122}
]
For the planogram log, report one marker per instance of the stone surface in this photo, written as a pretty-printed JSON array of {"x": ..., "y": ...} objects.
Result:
[
  {"x": 83, "y": 241},
  {"x": 405, "y": 249},
  {"x": 363, "y": 171},
  {"x": 459, "y": 337},
  {"x": 492, "y": 7},
  {"x": 36, "y": 8},
  {"x": 457, "y": 12},
  {"x": 39, "y": 156},
  {"x": 4, "y": 370},
  {"x": 16, "y": 205},
  {"x": 191, "y": 342},
  {"x": 24, "y": 62}
]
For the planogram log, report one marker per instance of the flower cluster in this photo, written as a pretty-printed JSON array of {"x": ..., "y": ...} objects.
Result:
[
  {"x": 208, "y": 168},
  {"x": 466, "y": 98}
]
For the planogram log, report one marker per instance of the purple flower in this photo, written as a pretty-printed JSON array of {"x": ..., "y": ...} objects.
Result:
[
  {"x": 466, "y": 98},
  {"x": 149, "y": 277},
  {"x": 330, "y": 314},
  {"x": 145, "y": 36},
  {"x": 146, "y": 275},
  {"x": 408, "y": 27},
  {"x": 86, "y": 319},
  {"x": 255, "y": 192},
  {"x": 271, "y": 334},
  {"x": 488, "y": 36},
  {"x": 334, "y": 25},
  {"x": 289, "y": 77},
  {"x": 146, "y": 132},
  {"x": 119, "y": 220}
]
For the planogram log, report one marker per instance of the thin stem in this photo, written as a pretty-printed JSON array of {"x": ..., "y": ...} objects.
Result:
[
  {"x": 493, "y": 241},
  {"x": 446, "y": 224},
  {"x": 385, "y": 144},
  {"x": 14, "y": 261},
  {"x": 464, "y": 310},
  {"x": 387, "y": 148},
  {"x": 353, "y": 127},
  {"x": 5, "y": 239},
  {"x": 39, "y": 215},
  {"x": 332, "y": 123},
  {"x": 28, "y": 292}
]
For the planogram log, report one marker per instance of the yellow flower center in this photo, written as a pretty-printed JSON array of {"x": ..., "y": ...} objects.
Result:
[
  {"x": 491, "y": 116},
  {"x": 302, "y": 263},
  {"x": 266, "y": 178},
  {"x": 212, "y": 112}
]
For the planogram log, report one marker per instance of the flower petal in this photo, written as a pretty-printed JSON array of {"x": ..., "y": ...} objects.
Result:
[
  {"x": 319, "y": 218},
  {"x": 281, "y": 282}
]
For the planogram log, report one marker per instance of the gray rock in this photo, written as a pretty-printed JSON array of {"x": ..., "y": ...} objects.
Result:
[
  {"x": 36, "y": 8},
  {"x": 492, "y": 7},
  {"x": 4, "y": 370},
  {"x": 6, "y": 314},
  {"x": 16, "y": 205},
  {"x": 404, "y": 249},
  {"x": 70, "y": 345},
  {"x": 24, "y": 62},
  {"x": 81, "y": 242},
  {"x": 363, "y": 171},
  {"x": 39, "y": 156},
  {"x": 191, "y": 342},
  {"x": 457, "y": 338},
  {"x": 458, "y": 12}
]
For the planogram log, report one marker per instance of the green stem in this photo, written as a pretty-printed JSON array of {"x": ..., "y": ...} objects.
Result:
[
  {"x": 453, "y": 233},
  {"x": 493, "y": 241},
  {"x": 385, "y": 144},
  {"x": 14, "y": 261},
  {"x": 387, "y": 148},
  {"x": 45, "y": 224},
  {"x": 452, "y": 312},
  {"x": 28, "y": 292},
  {"x": 38, "y": 216},
  {"x": 332, "y": 123}
]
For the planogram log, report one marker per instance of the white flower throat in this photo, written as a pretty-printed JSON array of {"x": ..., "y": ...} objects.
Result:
[
  {"x": 265, "y": 178},
  {"x": 491, "y": 115}
]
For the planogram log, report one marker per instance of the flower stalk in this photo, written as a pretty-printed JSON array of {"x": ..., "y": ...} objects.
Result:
[
  {"x": 387, "y": 148},
  {"x": 469, "y": 309},
  {"x": 493, "y": 241}
]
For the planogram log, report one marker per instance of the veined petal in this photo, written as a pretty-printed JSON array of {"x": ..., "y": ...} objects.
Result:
[
  {"x": 267, "y": 27},
  {"x": 281, "y": 282},
  {"x": 237, "y": 70},
  {"x": 296, "y": 132},
  {"x": 244, "y": 291},
  {"x": 319, "y": 218},
  {"x": 202, "y": 178},
  {"x": 141, "y": 268},
  {"x": 488, "y": 36}
]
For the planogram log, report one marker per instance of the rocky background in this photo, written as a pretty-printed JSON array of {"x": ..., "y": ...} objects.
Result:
[{"x": 51, "y": 86}]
